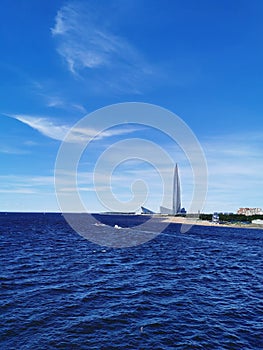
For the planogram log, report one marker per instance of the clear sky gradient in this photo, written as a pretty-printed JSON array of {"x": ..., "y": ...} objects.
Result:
[{"x": 61, "y": 60}]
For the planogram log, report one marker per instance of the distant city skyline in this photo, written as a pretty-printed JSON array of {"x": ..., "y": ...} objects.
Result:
[{"x": 62, "y": 60}]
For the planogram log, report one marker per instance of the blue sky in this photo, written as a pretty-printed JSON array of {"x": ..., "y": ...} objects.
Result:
[{"x": 61, "y": 60}]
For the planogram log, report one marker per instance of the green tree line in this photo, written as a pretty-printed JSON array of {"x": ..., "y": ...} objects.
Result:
[{"x": 231, "y": 217}]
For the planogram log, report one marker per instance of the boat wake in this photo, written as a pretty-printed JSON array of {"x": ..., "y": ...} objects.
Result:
[{"x": 117, "y": 227}]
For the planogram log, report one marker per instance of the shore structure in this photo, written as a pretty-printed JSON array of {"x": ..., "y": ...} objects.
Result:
[
  {"x": 250, "y": 211},
  {"x": 176, "y": 199},
  {"x": 256, "y": 224},
  {"x": 146, "y": 211}
]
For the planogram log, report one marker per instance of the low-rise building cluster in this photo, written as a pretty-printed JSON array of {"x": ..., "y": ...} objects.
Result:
[{"x": 250, "y": 211}]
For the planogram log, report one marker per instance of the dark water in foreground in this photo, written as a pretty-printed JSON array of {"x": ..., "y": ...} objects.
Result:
[{"x": 198, "y": 290}]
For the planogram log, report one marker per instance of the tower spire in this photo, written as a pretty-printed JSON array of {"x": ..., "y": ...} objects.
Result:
[
  {"x": 176, "y": 197},
  {"x": 176, "y": 192}
]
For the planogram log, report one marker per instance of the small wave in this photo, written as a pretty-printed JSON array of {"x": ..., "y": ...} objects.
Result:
[{"x": 117, "y": 227}]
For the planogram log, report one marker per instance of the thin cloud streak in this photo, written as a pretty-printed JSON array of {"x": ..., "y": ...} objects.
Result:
[
  {"x": 24, "y": 180},
  {"x": 60, "y": 103},
  {"x": 12, "y": 150},
  {"x": 22, "y": 184},
  {"x": 18, "y": 191},
  {"x": 48, "y": 128},
  {"x": 44, "y": 126}
]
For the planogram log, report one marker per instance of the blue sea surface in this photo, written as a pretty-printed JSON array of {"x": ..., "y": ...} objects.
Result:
[{"x": 196, "y": 290}]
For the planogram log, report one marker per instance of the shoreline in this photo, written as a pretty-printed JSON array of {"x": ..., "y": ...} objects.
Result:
[
  {"x": 164, "y": 218},
  {"x": 199, "y": 222}
]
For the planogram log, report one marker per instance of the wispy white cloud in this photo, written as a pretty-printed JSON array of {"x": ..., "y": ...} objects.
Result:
[
  {"x": 17, "y": 191},
  {"x": 52, "y": 96},
  {"x": 27, "y": 180},
  {"x": 85, "y": 42},
  {"x": 22, "y": 192},
  {"x": 30, "y": 143},
  {"x": 26, "y": 184},
  {"x": 79, "y": 107},
  {"x": 44, "y": 125},
  {"x": 55, "y": 102},
  {"x": 12, "y": 150},
  {"x": 49, "y": 128},
  {"x": 59, "y": 102}
]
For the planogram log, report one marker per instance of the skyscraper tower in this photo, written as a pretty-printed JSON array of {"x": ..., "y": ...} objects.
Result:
[
  {"x": 176, "y": 199},
  {"x": 176, "y": 193}
]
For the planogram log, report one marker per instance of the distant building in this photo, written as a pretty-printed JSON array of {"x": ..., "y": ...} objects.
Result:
[
  {"x": 250, "y": 211},
  {"x": 176, "y": 201},
  {"x": 257, "y": 222},
  {"x": 215, "y": 218},
  {"x": 147, "y": 211}
]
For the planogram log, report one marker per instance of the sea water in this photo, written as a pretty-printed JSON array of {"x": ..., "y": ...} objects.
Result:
[{"x": 196, "y": 290}]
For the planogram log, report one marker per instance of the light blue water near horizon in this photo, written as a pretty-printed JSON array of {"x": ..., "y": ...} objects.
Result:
[{"x": 196, "y": 290}]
